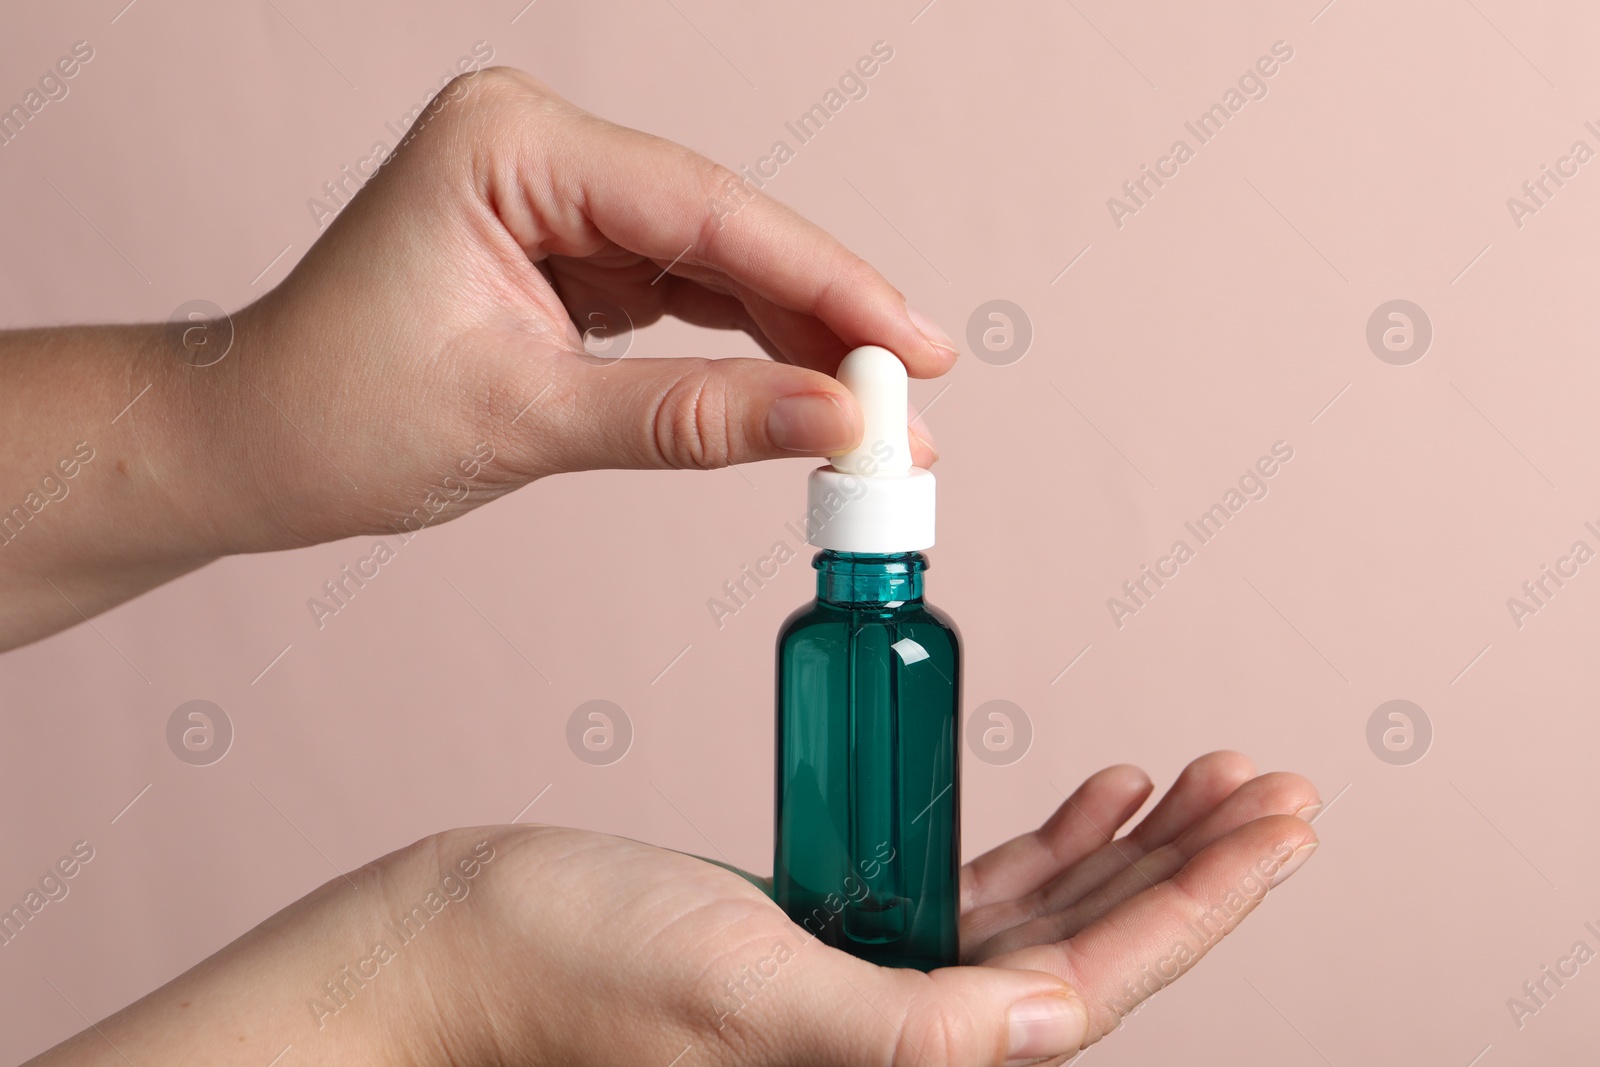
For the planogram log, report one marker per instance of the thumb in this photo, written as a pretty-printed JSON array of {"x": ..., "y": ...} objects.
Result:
[
  {"x": 852, "y": 1014},
  {"x": 685, "y": 413}
]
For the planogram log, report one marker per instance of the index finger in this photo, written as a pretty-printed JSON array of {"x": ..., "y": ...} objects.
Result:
[{"x": 579, "y": 183}]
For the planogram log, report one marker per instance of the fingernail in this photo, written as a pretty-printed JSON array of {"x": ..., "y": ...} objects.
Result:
[
  {"x": 1309, "y": 812},
  {"x": 1292, "y": 864},
  {"x": 809, "y": 422},
  {"x": 930, "y": 329},
  {"x": 1046, "y": 1026}
]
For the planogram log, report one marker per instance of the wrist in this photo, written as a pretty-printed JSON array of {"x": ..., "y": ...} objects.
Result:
[
  {"x": 233, "y": 453},
  {"x": 326, "y": 977},
  {"x": 177, "y": 431},
  {"x": 254, "y": 453}
]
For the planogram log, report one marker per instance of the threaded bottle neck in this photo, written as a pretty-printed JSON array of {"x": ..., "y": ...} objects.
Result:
[{"x": 857, "y": 578}]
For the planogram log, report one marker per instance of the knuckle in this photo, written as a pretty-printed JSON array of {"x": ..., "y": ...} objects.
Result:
[
  {"x": 1288, "y": 829},
  {"x": 930, "y": 1035},
  {"x": 718, "y": 178},
  {"x": 1286, "y": 791},
  {"x": 488, "y": 81},
  {"x": 495, "y": 98},
  {"x": 848, "y": 274},
  {"x": 725, "y": 194},
  {"x": 464, "y": 91},
  {"x": 690, "y": 423},
  {"x": 935, "y": 1028}
]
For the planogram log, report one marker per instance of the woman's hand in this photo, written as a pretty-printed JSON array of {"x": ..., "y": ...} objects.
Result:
[
  {"x": 640, "y": 954},
  {"x": 427, "y": 355},
  {"x": 543, "y": 945},
  {"x": 440, "y": 319}
]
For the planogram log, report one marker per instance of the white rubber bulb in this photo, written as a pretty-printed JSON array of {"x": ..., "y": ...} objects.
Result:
[
  {"x": 871, "y": 499},
  {"x": 877, "y": 378}
]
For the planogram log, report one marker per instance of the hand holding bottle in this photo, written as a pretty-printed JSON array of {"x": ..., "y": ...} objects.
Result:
[
  {"x": 431, "y": 325},
  {"x": 573, "y": 947},
  {"x": 438, "y": 310}
]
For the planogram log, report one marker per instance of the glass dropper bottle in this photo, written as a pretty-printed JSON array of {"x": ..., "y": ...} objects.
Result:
[{"x": 868, "y": 846}]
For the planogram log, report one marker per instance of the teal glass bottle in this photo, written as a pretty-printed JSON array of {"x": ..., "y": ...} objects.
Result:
[{"x": 868, "y": 845}]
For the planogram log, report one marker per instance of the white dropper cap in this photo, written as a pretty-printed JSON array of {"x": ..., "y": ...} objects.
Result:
[{"x": 871, "y": 499}]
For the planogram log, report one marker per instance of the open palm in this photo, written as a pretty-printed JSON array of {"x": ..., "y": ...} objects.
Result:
[{"x": 697, "y": 959}]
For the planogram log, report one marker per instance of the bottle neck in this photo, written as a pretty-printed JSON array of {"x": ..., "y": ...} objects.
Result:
[{"x": 856, "y": 578}]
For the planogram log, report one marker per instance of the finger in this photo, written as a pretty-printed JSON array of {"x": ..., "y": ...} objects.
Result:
[
  {"x": 640, "y": 294},
  {"x": 699, "y": 306},
  {"x": 1278, "y": 793},
  {"x": 1203, "y": 784},
  {"x": 1083, "y": 822},
  {"x": 1271, "y": 794},
  {"x": 702, "y": 306},
  {"x": 800, "y": 337},
  {"x": 677, "y": 413},
  {"x": 589, "y": 299},
  {"x": 1146, "y": 943},
  {"x": 675, "y": 207},
  {"x": 645, "y": 292},
  {"x": 837, "y": 1011}
]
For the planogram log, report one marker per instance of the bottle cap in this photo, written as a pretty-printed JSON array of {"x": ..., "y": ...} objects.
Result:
[{"x": 871, "y": 499}]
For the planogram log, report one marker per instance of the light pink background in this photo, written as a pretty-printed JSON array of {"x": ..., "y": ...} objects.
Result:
[{"x": 1223, "y": 317}]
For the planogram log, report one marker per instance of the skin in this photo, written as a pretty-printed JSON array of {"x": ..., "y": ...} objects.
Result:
[
  {"x": 438, "y": 312},
  {"x": 574, "y": 947}
]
